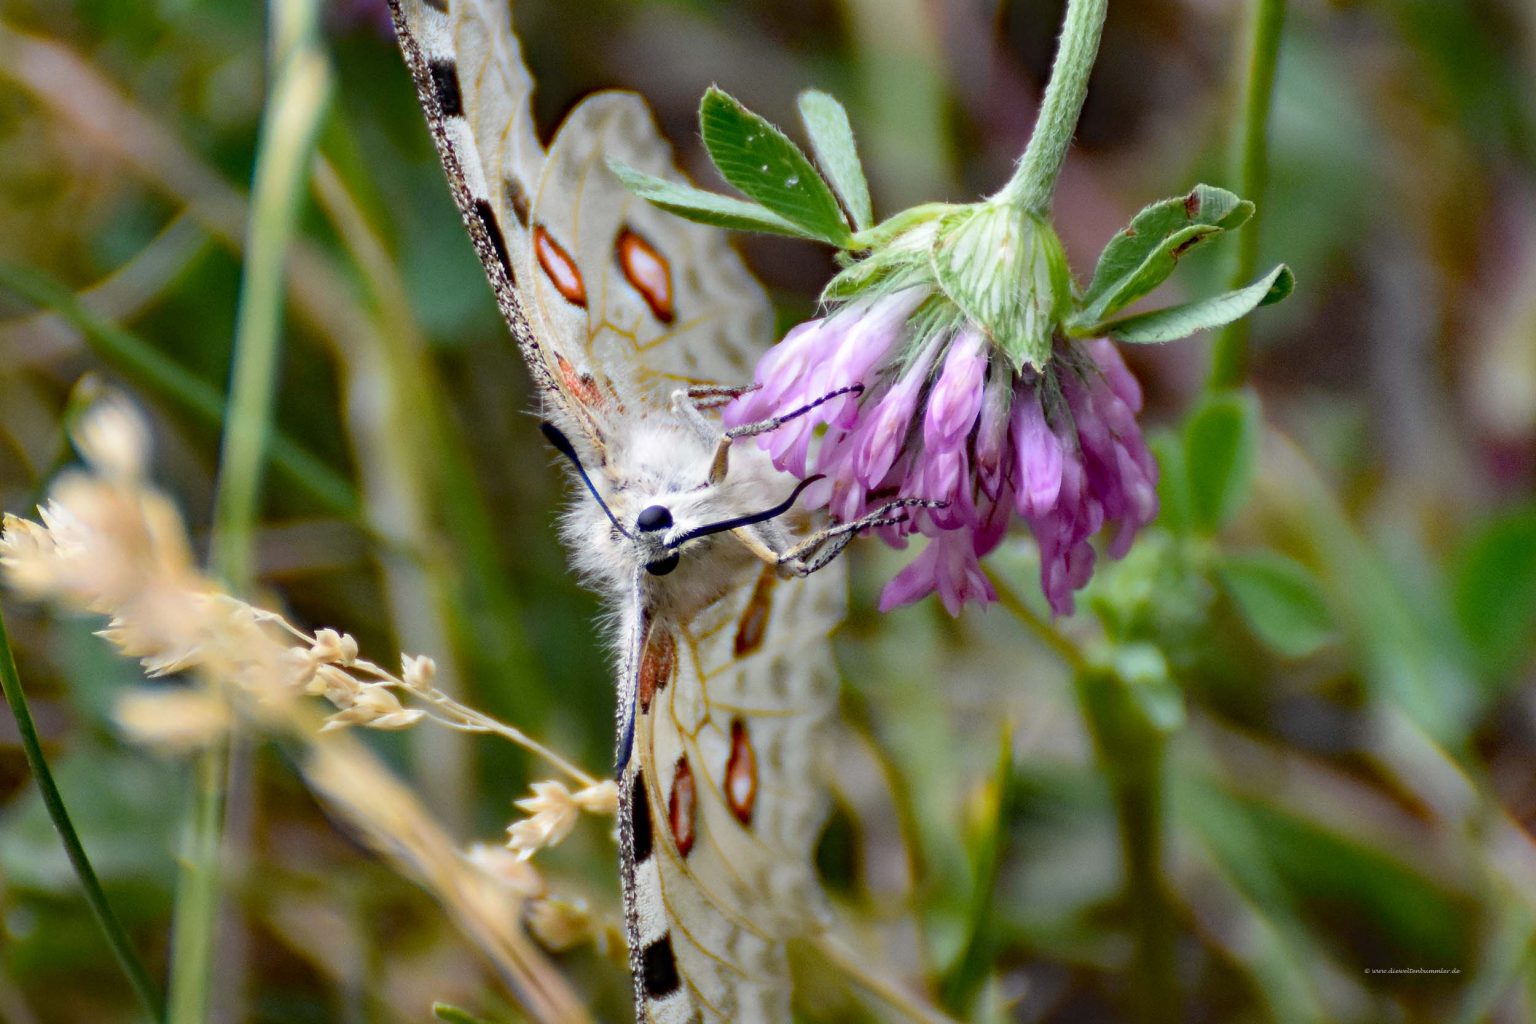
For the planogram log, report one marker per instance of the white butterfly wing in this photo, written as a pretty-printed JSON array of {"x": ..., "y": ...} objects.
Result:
[
  {"x": 610, "y": 300},
  {"x": 722, "y": 800},
  {"x": 614, "y": 304},
  {"x": 674, "y": 304}
]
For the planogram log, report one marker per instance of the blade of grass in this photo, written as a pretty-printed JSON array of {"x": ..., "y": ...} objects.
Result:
[
  {"x": 290, "y": 126},
  {"x": 483, "y": 610},
  {"x": 1131, "y": 753},
  {"x": 97, "y": 114},
  {"x": 131, "y": 288},
  {"x": 149, "y": 368},
  {"x": 289, "y": 129},
  {"x": 111, "y": 927}
]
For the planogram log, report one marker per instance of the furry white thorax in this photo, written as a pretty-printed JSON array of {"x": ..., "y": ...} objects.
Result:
[{"x": 660, "y": 460}]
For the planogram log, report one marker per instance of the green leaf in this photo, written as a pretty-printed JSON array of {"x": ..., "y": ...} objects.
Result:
[
  {"x": 832, "y": 141},
  {"x": 1279, "y": 599},
  {"x": 1495, "y": 591},
  {"x": 1172, "y": 482},
  {"x": 1177, "y": 322},
  {"x": 1221, "y": 448},
  {"x": 703, "y": 207},
  {"x": 760, "y": 160},
  {"x": 1142, "y": 256}
]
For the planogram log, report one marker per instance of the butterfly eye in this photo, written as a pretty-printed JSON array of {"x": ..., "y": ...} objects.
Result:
[
  {"x": 653, "y": 518},
  {"x": 662, "y": 566}
]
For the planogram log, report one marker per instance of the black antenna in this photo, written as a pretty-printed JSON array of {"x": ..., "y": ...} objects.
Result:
[
  {"x": 759, "y": 517},
  {"x": 563, "y": 445}
]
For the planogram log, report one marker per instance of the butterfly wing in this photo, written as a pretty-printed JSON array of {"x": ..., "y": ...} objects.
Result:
[
  {"x": 614, "y": 304},
  {"x": 610, "y": 300},
  {"x": 720, "y": 802}
]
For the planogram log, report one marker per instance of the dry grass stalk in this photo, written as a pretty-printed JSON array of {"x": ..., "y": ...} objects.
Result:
[{"x": 108, "y": 544}]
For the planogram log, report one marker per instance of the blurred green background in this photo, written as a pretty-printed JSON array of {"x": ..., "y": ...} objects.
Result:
[{"x": 1330, "y": 639}]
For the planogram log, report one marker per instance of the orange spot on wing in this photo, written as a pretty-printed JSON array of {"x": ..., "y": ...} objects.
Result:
[
  {"x": 681, "y": 807},
  {"x": 559, "y": 267},
  {"x": 580, "y": 385},
  {"x": 754, "y": 621},
  {"x": 741, "y": 773},
  {"x": 648, "y": 271},
  {"x": 658, "y": 661}
]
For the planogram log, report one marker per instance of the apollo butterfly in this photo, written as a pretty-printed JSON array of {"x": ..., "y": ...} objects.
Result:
[{"x": 635, "y": 326}]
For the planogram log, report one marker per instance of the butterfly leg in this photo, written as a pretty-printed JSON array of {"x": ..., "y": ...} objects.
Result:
[
  {"x": 819, "y": 549},
  {"x": 713, "y": 396},
  {"x": 721, "y": 462},
  {"x": 775, "y": 422}
]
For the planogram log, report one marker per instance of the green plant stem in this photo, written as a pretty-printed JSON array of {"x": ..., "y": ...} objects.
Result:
[
  {"x": 1055, "y": 639},
  {"x": 288, "y": 132},
  {"x": 111, "y": 927},
  {"x": 290, "y": 123},
  {"x": 195, "y": 920},
  {"x": 1139, "y": 813},
  {"x": 1034, "y": 181},
  {"x": 964, "y": 980},
  {"x": 1231, "y": 356},
  {"x": 1131, "y": 753}
]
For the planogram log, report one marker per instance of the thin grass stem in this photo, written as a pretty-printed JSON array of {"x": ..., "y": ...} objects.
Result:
[
  {"x": 290, "y": 124},
  {"x": 1231, "y": 356},
  {"x": 903, "y": 1006},
  {"x": 116, "y": 936}
]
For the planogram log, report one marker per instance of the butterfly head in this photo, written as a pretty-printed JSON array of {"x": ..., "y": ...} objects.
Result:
[
  {"x": 673, "y": 517},
  {"x": 657, "y": 519}
]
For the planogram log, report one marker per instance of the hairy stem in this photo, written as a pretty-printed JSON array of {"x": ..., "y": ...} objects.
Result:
[
  {"x": 111, "y": 927},
  {"x": 1231, "y": 357},
  {"x": 1034, "y": 181}
]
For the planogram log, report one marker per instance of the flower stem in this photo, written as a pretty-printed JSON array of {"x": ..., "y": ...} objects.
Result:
[
  {"x": 111, "y": 927},
  {"x": 1230, "y": 357},
  {"x": 1034, "y": 181},
  {"x": 1048, "y": 634}
]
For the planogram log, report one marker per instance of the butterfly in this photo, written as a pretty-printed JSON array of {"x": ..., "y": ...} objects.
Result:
[{"x": 636, "y": 326}]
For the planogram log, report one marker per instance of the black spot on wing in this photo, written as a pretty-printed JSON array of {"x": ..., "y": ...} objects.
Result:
[
  {"x": 517, "y": 199},
  {"x": 445, "y": 86},
  {"x": 493, "y": 232},
  {"x": 640, "y": 819},
  {"x": 658, "y": 968}
]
